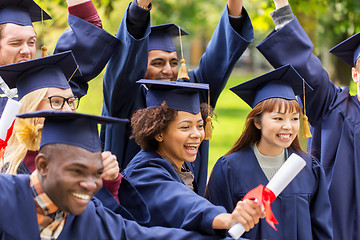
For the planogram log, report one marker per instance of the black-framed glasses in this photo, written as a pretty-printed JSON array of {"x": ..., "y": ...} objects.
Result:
[{"x": 57, "y": 102}]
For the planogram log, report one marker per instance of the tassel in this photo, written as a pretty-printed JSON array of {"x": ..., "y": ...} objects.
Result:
[
  {"x": 28, "y": 134},
  {"x": 208, "y": 128},
  {"x": 44, "y": 52},
  {"x": 306, "y": 127},
  {"x": 305, "y": 124},
  {"x": 183, "y": 74}
]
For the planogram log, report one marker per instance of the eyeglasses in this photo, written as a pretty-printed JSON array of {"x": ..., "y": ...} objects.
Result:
[{"x": 57, "y": 102}]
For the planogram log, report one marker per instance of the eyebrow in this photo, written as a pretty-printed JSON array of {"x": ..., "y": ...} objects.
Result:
[
  {"x": 188, "y": 121},
  {"x": 157, "y": 59},
  {"x": 285, "y": 113},
  {"x": 83, "y": 166}
]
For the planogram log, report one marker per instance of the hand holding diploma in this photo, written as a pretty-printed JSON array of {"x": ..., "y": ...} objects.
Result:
[{"x": 265, "y": 195}]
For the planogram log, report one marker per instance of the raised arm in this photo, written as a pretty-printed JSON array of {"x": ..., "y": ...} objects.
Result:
[
  {"x": 129, "y": 61},
  {"x": 91, "y": 45},
  {"x": 289, "y": 44},
  {"x": 230, "y": 39}
]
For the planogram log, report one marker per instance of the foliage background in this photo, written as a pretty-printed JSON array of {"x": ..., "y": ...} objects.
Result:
[{"x": 327, "y": 22}]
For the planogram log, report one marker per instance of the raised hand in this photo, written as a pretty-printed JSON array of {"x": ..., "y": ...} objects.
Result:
[{"x": 111, "y": 166}]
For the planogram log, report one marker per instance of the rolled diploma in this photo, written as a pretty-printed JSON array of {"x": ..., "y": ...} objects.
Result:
[
  {"x": 288, "y": 171},
  {"x": 12, "y": 108}
]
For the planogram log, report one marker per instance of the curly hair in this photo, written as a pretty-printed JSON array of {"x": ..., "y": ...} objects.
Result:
[{"x": 149, "y": 122}]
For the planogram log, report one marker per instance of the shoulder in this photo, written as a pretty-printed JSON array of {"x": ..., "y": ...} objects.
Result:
[
  {"x": 237, "y": 157},
  {"x": 149, "y": 164}
]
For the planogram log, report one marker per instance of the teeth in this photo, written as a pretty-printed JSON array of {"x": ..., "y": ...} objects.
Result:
[
  {"x": 192, "y": 145},
  {"x": 81, "y": 196},
  {"x": 284, "y": 135}
]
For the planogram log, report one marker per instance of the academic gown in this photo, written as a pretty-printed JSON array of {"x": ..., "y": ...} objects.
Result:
[
  {"x": 18, "y": 219},
  {"x": 92, "y": 48},
  {"x": 335, "y": 119},
  {"x": 302, "y": 209},
  {"x": 171, "y": 203},
  {"x": 122, "y": 96}
]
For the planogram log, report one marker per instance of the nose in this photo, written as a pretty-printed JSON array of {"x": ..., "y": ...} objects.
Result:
[
  {"x": 66, "y": 108},
  {"x": 25, "y": 49},
  {"x": 167, "y": 68},
  {"x": 287, "y": 125},
  {"x": 196, "y": 133}
]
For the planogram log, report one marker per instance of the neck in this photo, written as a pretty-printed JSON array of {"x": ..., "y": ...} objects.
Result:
[
  {"x": 268, "y": 151},
  {"x": 177, "y": 163}
]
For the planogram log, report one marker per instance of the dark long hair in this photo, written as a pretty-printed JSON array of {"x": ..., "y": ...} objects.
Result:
[{"x": 252, "y": 134}]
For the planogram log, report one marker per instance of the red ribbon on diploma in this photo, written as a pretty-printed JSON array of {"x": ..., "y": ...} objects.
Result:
[
  {"x": 3, "y": 144},
  {"x": 265, "y": 196}
]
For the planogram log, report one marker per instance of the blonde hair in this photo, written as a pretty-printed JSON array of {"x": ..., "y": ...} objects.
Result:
[{"x": 16, "y": 151}]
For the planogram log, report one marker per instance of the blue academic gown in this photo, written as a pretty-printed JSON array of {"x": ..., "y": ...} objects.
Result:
[
  {"x": 18, "y": 219},
  {"x": 171, "y": 203},
  {"x": 302, "y": 209},
  {"x": 335, "y": 119},
  {"x": 122, "y": 96},
  {"x": 92, "y": 48}
]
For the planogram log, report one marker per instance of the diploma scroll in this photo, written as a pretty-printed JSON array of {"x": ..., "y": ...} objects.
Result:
[
  {"x": 11, "y": 109},
  {"x": 288, "y": 171}
]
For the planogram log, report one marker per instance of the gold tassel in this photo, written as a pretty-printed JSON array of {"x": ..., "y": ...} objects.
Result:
[
  {"x": 183, "y": 74},
  {"x": 306, "y": 127},
  {"x": 305, "y": 124},
  {"x": 208, "y": 122},
  {"x": 208, "y": 128},
  {"x": 28, "y": 134},
  {"x": 44, "y": 52}
]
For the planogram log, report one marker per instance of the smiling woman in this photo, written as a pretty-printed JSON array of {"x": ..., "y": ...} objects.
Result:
[
  {"x": 269, "y": 137},
  {"x": 170, "y": 132}
]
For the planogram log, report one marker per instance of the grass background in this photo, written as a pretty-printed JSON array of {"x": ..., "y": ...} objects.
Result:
[{"x": 231, "y": 113}]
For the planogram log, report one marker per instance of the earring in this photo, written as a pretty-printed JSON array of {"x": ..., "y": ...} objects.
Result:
[{"x": 159, "y": 138}]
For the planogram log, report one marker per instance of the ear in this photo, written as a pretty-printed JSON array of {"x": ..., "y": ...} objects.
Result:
[
  {"x": 257, "y": 124},
  {"x": 355, "y": 75},
  {"x": 42, "y": 164},
  {"x": 159, "y": 137}
]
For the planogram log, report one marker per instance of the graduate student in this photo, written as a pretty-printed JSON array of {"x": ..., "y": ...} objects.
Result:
[
  {"x": 150, "y": 53},
  {"x": 170, "y": 131},
  {"x": 333, "y": 114},
  {"x": 56, "y": 200},
  {"x": 269, "y": 138}
]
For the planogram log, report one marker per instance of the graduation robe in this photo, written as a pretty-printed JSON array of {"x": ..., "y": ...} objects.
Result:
[
  {"x": 171, "y": 203},
  {"x": 335, "y": 118},
  {"x": 92, "y": 48},
  {"x": 303, "y": 209},
  {"x": 122, "y": 96},
  {"x": 18, "y": 219}
]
